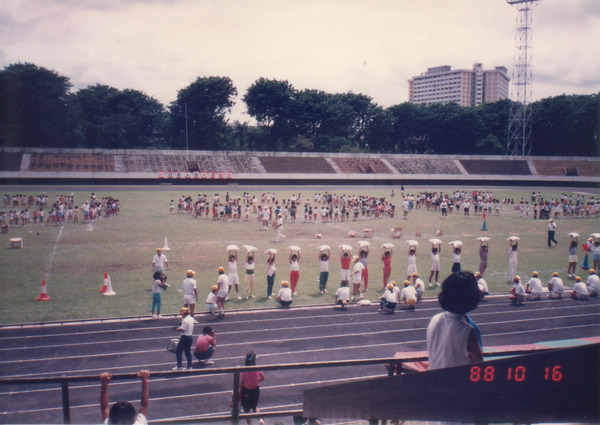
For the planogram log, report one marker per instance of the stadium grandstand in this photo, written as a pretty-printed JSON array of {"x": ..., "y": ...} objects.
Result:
[{"x": 88, "y": 166}]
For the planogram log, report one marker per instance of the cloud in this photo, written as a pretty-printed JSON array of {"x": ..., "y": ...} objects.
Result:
[{"x": 161, "y": 46}]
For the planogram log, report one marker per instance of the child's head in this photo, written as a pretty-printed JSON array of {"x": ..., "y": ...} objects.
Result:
[
  {"x": 122, "y": 412},
  {"x": 250, "y": 359},
  {"x": 412, "y": 252},
  {"x": 515, "y": 246},
  {"x": 324, "y": 257},
  {"x": 434, "y": 250},
  {"x": 460, "y": 293}
]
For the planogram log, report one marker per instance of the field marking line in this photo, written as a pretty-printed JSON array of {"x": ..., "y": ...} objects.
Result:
[{"x": 51, "y": 260}]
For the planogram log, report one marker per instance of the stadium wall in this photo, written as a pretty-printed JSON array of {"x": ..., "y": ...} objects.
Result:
[{"x": 114, "y": 167}]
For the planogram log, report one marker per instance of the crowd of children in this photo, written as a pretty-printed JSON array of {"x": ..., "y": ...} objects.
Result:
[
  {"x": 322, "y": 208},
  {"x": 36, "y": 210}
]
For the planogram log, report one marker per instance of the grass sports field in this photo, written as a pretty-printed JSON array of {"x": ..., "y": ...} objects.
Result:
[{"x": 73, "y": 258}]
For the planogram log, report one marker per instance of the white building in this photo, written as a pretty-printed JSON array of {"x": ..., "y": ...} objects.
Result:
[{"x": 462, "y": 86}]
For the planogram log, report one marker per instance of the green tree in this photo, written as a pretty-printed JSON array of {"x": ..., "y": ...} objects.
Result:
[
  {"x": 32, "y": 106},
  {"x": 271, "y": 104},
  {"x": 566, "y": 125},
  {"x": 110, "y": 118},
  {"x": 205, "y": 103},
  {"x": 409, "y": 129}
]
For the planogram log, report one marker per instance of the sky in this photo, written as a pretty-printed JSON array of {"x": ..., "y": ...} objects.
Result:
[{"x": 371, "y": 47}]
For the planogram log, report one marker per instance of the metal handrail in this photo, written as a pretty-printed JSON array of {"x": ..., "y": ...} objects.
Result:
[{"x": 395, "y": 365}]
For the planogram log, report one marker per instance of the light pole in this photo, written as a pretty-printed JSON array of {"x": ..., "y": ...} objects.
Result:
[{"x": 186, "y": 129}]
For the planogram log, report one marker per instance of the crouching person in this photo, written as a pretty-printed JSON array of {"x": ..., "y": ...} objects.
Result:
[
  {"x": 205, "y": 346},
  {"x": 211, "y": 301},
  {"x": 342, "y": 295},
  {"x": 389, "y": 299},
  {"x": 517, "y": 293},
  {"x": 284, "y": 296}
]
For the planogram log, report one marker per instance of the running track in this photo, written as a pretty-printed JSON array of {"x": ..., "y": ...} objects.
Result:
[{"x": 302, "y": 334}]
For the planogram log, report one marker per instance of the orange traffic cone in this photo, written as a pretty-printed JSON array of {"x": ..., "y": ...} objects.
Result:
[
  {"x": 43, "y": 295},
  {"x": 105, "y": 285},
  {"x": 109, "y": 290}
]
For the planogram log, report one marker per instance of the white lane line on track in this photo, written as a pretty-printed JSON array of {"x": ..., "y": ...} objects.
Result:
[
  {"x": 255, "y": 343},
  {"x": 234, "y": 322},
  {"x": 328, "y": 326}
]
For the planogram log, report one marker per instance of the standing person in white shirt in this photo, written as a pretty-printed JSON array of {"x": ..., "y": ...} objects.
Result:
[
  {"x": 222, "y": 291},
  {"x": 435, "y": 264},
  {"x": 513, "y": 258},
  {"x": 158, "y": 285},
  {"x": 280, "y": 235},
  {"x": 232, "y": 273},
  {"x": 190, "y": 292},
  {"x": 456, "y": 259},
  {"x": 185, "y": 340},
  {"x": 271, "y": 272},
  {"x": 357, "y": 276},
  {"x": 412, "y": 262},
  {"x": 160, "y": 262},
  {"x": 555, "y": 287},
  {"x": 551, "y": 232},
  {"x": 452, "y": 338},
  {"x": 249, "y": 280},
  {"x": 323, "y": 271}
]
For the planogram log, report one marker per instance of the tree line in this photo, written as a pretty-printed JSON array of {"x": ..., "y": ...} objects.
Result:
[{"x": 38, "y": 109}]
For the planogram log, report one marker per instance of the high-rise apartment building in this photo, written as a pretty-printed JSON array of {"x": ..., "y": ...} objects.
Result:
[{"x": 467, "y": 87}]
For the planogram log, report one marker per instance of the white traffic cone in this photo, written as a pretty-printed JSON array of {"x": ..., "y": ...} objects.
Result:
[
  {"x": 105, "y": 284},
  {"x": 166, "y": 245},
  {"x": 109, "y": 289},
  {"x": 43, "y": 295}
]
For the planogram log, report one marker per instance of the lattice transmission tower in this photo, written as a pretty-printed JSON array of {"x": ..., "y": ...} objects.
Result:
[{"x": 519, "y": 122}]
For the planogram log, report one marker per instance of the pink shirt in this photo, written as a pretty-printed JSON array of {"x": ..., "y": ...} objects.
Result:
[
  {"x": 251, "y": 380},
  {"x": 203, "y": 342}
]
